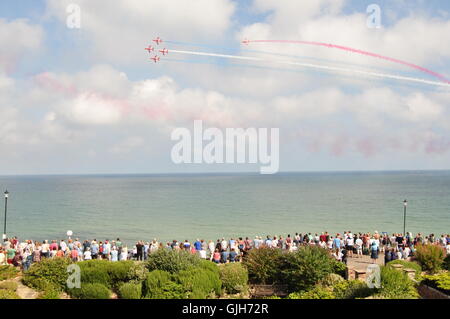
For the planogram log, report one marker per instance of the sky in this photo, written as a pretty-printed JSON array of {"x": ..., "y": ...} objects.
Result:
[{"x": 89, "y": 101}]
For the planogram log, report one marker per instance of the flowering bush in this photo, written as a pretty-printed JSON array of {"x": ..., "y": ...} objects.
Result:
[{"x": 430, "y": 257}]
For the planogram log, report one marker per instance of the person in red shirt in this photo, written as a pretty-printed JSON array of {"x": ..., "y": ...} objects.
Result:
[{"x": 74, "y": 254}]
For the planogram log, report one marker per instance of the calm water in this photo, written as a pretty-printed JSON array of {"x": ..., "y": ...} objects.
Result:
[{"x": 211, "y": 206}]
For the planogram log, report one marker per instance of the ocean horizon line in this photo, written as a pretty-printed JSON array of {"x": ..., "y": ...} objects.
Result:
[{"x": 243, "y": 173}]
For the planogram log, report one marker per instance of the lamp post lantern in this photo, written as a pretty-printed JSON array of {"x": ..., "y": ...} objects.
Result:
[
  {"x": 6, "y": 211},
  {"x": 405, "y": 203}
]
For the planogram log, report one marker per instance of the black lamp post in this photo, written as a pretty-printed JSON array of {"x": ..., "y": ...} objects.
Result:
[
  {"x": 6, "y": 211},
  {"x": 405, "y": 203}
]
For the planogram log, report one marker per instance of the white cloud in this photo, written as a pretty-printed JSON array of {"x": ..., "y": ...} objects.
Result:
[
  {"x": 106, "y": 111},
  {"x": 379, "y": 113},
  {"x": 93, "y": 109},
  {"x": 415, "y": 38},
  {"x": 119, "y": 30},
  {"x": 18, "y": 38}
]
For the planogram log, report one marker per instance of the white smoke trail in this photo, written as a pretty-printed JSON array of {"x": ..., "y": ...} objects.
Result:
[{"x": 315, "y": 66}]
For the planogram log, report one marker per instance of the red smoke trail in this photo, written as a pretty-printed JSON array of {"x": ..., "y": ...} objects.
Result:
[{"x": 340, "y": 47}]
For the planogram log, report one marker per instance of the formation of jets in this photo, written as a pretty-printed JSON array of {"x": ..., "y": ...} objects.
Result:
[{"x": 164, "y": 51}]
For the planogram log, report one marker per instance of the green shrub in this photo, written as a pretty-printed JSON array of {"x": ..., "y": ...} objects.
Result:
[
  {"x": 130, "y": 290},
  {"x": 95, "y": 276},
  {"x": 171, "y": 261},
  {"x": 339, "y": 267},
  {"x": 396, "y": 284},
  {"x": 430, "y": 257},
  {"x": 91, "y": 291},
  {"x": 446, "y": 264},
  {"x": 331, "y": 280},
  {"x": 316, "y": 292},
  {"x": 159, "y": 285},
  {"x": 118, "y": 271},
  {"x": 9, "y": 285},
  {"x": 8, "y": 294},
  {"x": 42, "y": 284},
  {"x": 109, "y": 274},
  {"x": 199, "y": 283},
  {"x": 302, "y": 269},
  {"x": 50, "y": 272},
  {"x": 263, "y": 265},
  {"x": 352, "y": 289},
  {"x": 408, "y": 264},
  {"x": 234, "y": 277},
  {"x": 8, "y": 272},
  {"x": 440, "y": 281},
  {"x": 50, "y": 294},
  {"x": 272, "y": 297},
  {"x": 209, "y": 265},
  {"x": 137, "y": 272}
]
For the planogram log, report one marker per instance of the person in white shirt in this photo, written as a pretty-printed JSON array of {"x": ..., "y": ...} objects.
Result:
[
  {"x": 350, "y": 242},
  {"x": 124, "y": 253},
  {"x": 87, "y": 254},
  {"x": 211, "y": 248},
  {"x": 275, "y": 242},
  {"x": 330, "y": 243},
  {"x": 448, "y": 248},
  {"x": 224, "y": 244},
  {"x": 358, "y": 246},
  {"x": 63, "y": 245},
  {"x": 154, "y": 246},
  {"x": 406, "y": 252},
  {"x": 45, "y": 249},
  {"x": 2, "y": 257},
  {"x": 337, "y": 254}
]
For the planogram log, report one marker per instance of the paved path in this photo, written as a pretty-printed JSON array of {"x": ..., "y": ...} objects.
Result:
[
  {"x": 23, "y": 291},
  {"x": 361, "y": 264}
]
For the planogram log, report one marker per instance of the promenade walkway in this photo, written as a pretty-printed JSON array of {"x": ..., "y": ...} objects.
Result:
[
  {"x": 362, "y": 263},
  {"x": 357, "y": 267}
]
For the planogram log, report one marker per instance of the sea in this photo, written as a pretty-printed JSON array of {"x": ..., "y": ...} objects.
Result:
[{"x": 213, "y": 206}]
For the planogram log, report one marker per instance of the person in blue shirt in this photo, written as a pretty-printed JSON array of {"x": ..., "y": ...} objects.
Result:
[
  {"x": 387, "y": 256},
  {"x": 233, "y": 255},
  {"x": 187, "y": 245},
  {"x": 94, "y": 250},
  {"x": 198, "y": 245},
  {"x": 224, "y": 256},
  {"x": 337, "y": 242},
  {"x": 374, "y": 252}
]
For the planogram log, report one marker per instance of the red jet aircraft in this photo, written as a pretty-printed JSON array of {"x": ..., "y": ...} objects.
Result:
[
  {"x": 158, "y": 40},
  {"x": 164, "y": 51},
  {"x": 155, "y": 58},
  {"x": 149, "y": 49}
]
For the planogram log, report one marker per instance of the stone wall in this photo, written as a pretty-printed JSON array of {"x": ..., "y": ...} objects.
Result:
[{"x": 427, "y": 292}]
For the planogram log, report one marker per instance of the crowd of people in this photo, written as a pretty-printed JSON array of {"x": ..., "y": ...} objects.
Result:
[{"x": 341, "y": 246}]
